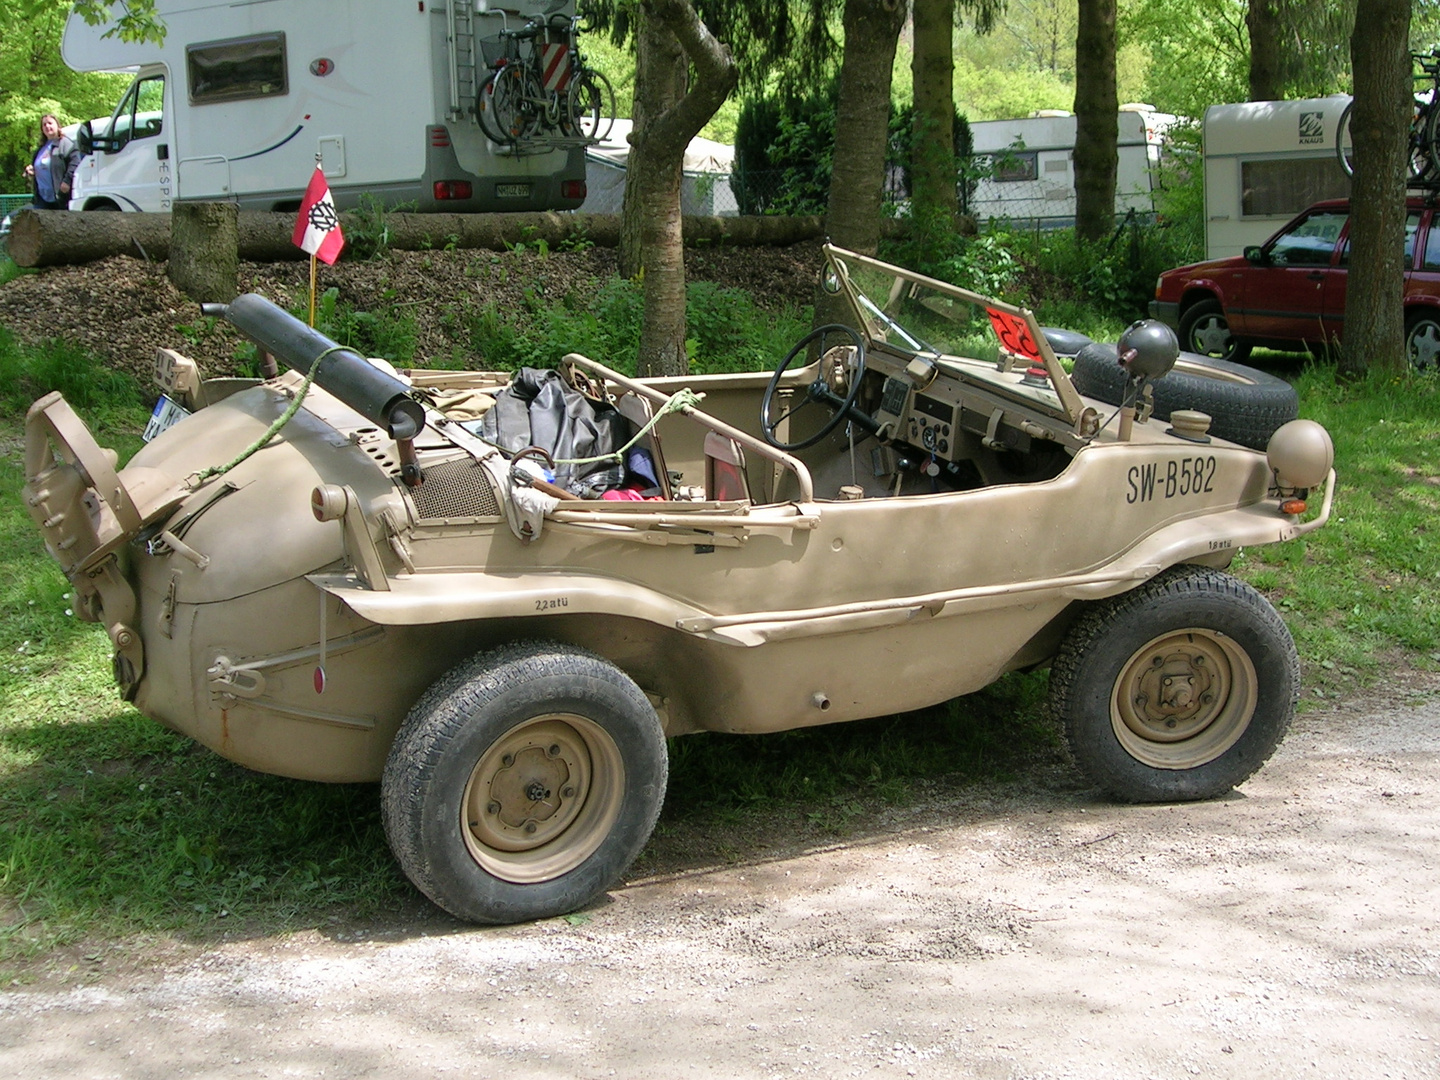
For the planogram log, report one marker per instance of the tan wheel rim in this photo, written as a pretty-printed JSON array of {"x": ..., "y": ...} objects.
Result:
[
  {"x": 542, "y": 798},
  {"x": 1184, "y": 699}
]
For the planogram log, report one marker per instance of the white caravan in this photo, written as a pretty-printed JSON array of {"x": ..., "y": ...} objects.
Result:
[
  {"x": 1265, "y": 161},
  {"x": 243, "y": 95},
  {"x": 1032, "y": 169}
]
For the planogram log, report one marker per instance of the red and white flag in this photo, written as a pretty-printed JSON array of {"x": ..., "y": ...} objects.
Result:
[{"x": 317, "y": 229}]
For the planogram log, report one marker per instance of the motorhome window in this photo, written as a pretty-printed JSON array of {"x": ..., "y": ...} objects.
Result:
[
  {"x": 1275, "y": 188},
  {"x": 1311, "y": 242},
  {"x": 249, "y": 67},
  {"x": 1015, "y": 165}
]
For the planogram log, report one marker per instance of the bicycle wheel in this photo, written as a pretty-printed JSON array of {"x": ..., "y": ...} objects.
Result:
[
  {"x": 1420, "y": 148},
  {"x": 485, "y": 109},
  {"x": 506, "y": 98},
  {"x": 590, "y": 106}
]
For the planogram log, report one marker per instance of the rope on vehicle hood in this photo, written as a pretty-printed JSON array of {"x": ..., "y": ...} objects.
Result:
[
  {"x": 274, "y": 429},
  {"x": 684, "y": 398}
]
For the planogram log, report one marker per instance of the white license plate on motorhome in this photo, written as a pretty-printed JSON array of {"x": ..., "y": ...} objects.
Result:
[
  {"x": 166, "y": 415},
  {"x": 512, "y": 191}
]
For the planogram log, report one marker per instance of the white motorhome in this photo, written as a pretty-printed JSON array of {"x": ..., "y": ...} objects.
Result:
[
  {"x": 1031, "y": 169},
  {"x": 1265, "y": 161},
  {"x": 244, "y": 95}
]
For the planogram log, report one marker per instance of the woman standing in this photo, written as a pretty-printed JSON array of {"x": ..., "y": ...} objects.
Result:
[{"x": 52, "y": 169}]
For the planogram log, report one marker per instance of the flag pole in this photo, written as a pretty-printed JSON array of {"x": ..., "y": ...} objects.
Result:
[{"x": 319, "y": 164}]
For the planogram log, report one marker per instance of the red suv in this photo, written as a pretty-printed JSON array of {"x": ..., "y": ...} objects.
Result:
[{"x": 1290, "y": 291}]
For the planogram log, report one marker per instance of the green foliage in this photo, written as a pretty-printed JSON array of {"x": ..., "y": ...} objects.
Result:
[
  {"x": 27, "y": 373},
  {"x": 35, "y": 81},
  {"x": 727, "y": 330},
  {"x": 386, "y": 332},
  {"x": 367, "y": 227},
  {"x": 1360, "y": 594}
]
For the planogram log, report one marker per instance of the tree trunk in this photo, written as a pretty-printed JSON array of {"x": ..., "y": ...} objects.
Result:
[
  {"x": 862, "y": 131},
  {"x": 655, "y": 169},
  {"x": 1262, "y": 20},
  {"x": 932, "y": 156},
  {"x": 1097, "y": 127},
  {"x": 660, "y": 78},
  {"x": 1379, "y": 126},
  {"x": 204, "y": 259}
]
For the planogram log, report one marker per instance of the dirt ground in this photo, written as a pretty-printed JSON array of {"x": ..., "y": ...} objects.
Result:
[{"x": 1290, "y": 930}]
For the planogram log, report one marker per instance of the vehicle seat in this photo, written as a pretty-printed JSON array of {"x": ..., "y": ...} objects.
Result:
[
  {"x": 725, "y": 479},
  {"x": 637, "y": 410}
]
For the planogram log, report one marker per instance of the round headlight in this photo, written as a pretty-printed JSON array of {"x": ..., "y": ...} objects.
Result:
[{"x": 1301, "y": 454}]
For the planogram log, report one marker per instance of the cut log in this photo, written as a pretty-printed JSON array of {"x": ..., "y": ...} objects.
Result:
[{"x": 57, "y": 237}]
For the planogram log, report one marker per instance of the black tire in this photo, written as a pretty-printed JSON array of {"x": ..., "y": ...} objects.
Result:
[
  {"x": 1190, "y": 632},
  {"x": 1422, "y": 339},
  {"x": 1420, "y": 146},
  {"x": 524, "y": 783},
  {"x": 1245, "y": 405},
  {"x": 1065, "y": 342},
  {"x": 1205, "y": 331}
]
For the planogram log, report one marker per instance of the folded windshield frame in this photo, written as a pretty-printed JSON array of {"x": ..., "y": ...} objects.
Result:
[{"x": 921, "y": 316}]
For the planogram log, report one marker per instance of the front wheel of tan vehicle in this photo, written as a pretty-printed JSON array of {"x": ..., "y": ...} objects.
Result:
[
  {"x": 524, "y": 783},
  {"x": 1178, "y": 690}
]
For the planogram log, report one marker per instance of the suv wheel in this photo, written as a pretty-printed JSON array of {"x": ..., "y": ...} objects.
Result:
[
  {"x": 1179, "y": 689},
  {"x": 1204, "y": 329},
  {"x": 524, "y": 783},
  {"x": 1422, "y": 340}
]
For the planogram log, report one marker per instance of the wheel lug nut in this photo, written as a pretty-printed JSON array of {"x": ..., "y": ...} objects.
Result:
[
  {"x": 1170, "y": 723},
  {"x": 567, "y": 792},
  {"x": 530, "y": 827},
  {"x": 554, "y": 750},
  {"x": 508, "y": 760},
  {"x": 492, "y": 808}
]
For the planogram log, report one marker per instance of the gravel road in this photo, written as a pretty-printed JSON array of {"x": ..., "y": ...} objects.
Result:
[{"x": 1291, "y": 930}]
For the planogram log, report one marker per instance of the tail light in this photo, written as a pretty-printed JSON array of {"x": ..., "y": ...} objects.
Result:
[
  {"x": 572, "y": 189},
  {"x": 452, "y": 189}
]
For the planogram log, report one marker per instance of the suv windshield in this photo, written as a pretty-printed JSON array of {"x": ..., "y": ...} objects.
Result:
[{"x": 982, "y": 340}]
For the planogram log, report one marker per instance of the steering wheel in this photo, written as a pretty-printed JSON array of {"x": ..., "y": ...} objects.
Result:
[{"x": 818, "y": 391}]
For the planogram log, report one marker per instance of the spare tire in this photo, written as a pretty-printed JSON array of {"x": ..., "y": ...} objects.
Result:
[
  {"x": 1065, "y": 342},
  {"x": 1245, "y": 405}
]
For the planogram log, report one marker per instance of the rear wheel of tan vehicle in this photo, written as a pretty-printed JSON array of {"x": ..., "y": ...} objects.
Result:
[
  {"x": 524, "y": 783},
  {"x": 1180, "y": 689}
]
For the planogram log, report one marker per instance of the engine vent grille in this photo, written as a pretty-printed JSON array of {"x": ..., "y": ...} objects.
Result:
[{"x": 455, "y": 489}]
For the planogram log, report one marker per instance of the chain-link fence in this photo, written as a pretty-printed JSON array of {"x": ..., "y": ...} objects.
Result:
[{"x": 10, "y": 203}]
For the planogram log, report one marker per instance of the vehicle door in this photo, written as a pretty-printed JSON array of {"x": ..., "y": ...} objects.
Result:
[
  {"x": 1333, "y": 306},
  {"x": 133, "y": 156},
  {"x": 1282, "y": 297}
]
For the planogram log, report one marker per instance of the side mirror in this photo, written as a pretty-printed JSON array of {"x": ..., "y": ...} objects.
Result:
[
  {"x": 85, "y": 139},
  {"x": 1255, "y": 255}
]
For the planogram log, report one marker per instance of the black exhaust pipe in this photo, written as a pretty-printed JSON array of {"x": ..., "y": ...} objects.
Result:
[{"x": 374, "y": 394}]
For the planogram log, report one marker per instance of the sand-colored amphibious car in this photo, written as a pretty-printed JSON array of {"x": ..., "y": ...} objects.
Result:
[{"x": 499, "y": 594}]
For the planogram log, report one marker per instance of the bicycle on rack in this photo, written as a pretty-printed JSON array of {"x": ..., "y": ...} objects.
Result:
[
  {"x": 1424, "y": 139},
  {"x": 540, "y": 88}
]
